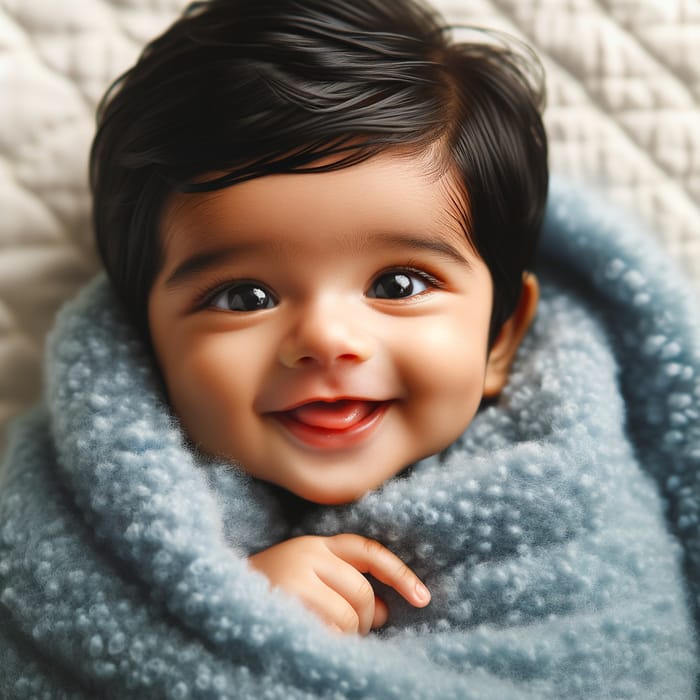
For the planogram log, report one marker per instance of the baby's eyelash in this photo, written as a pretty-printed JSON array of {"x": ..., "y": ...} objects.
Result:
[
  {"x": 204, "y": 295},
  {"x": 434, "y": 281},
  {"x": 402, "y": 285},
  {"x": 421, "y": 272}
]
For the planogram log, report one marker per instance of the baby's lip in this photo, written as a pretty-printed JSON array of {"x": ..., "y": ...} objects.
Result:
[
  {"x": 336, "y": 414},
  {"x": 338, "y": 424}
]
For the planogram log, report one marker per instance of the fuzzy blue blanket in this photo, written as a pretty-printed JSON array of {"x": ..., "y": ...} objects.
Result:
[{"x": 558, "y": 535}]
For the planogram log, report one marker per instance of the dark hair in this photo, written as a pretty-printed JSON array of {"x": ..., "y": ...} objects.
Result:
[{"x": 253, "y": 87}]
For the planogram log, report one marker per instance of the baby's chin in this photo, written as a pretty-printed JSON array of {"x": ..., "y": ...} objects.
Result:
[
  {"x": 333, "y": 496},
  {"x": 345, "y": 493},
  {"x": 338, "y": 478}
]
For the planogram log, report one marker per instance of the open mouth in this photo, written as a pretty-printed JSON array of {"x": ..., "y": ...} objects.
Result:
[{"x": 332, "y": 424}]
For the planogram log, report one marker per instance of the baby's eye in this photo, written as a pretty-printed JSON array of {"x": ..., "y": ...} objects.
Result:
[
  {"x": 399, "y": 284},
  {"x": 244, "y": 296}
]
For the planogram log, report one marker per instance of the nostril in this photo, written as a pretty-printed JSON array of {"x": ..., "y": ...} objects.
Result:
[{"x": 323, "y": 351}]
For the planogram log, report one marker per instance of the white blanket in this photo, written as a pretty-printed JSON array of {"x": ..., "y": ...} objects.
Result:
[{"x": 623, "y": 115}]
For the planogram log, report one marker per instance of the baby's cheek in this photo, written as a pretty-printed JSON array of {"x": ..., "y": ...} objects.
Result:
[
  {"x": 197, "y": 400},
  {"x": 442, "y": 416},
  {"x": 454, "y": 417}
]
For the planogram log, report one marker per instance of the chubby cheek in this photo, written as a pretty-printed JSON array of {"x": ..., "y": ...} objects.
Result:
[
  {"x": 446, "y": 380},
  {"x": 208, "y": 391}
]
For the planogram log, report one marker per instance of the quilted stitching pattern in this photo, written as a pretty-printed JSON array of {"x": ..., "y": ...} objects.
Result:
[{"x": 623, "y": 115}]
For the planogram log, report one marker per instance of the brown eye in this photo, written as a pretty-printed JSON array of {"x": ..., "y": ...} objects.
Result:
[
  {"x": 246, "y": 296},
  {"x": 398, "y": 284}
]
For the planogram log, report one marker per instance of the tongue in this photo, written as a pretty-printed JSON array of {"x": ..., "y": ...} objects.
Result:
[{"x": 337, "y": 415}]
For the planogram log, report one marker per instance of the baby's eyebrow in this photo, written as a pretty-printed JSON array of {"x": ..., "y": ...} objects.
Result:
[
  {"x": 201, "y": 261},
  {"x": 197, "y": 263},
  {"x": 432, "y": 244}
]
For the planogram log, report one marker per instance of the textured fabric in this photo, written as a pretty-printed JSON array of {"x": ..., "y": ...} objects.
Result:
[{"x": 558, "y": 535}]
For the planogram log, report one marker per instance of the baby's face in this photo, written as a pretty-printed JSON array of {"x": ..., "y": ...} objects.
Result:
[{"x": 322, "y": 330}]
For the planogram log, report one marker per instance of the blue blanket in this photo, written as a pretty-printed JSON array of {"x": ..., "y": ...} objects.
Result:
[{"x": 558, "y": 535}]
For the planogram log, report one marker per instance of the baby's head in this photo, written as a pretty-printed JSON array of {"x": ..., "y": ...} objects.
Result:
[{"x": 320, "y": 215}]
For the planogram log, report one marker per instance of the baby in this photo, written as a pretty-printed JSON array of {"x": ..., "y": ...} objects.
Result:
[
  {"x": 318, "y": 219},
  {"x": 321, "y": 216}
]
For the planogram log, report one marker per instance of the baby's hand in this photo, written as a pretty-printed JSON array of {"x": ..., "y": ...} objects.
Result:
[{"x": 325, "y": 573}]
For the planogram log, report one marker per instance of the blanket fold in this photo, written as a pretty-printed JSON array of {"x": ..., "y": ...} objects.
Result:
[{"x": 558, "y": 535}]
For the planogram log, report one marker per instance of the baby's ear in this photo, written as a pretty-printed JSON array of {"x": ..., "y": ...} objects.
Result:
[{"x": 506, "y": 344}]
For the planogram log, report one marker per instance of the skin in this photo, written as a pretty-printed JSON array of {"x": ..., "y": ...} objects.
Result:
[{"x": 324, "y": 331}]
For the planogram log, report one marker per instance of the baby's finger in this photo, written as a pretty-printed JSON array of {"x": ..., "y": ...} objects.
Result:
[
  {"x": 371, "y": 557},
  {"x": 334, "y": 610},
  {"x": 381, "y": 613},
  {"x": 351, "y": 585}
]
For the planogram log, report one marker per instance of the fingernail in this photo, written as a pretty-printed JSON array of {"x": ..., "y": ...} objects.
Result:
[{"x": 422, "y": 593}]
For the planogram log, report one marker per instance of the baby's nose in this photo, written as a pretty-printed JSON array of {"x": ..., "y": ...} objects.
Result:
[{"x": 325, "y": 334}]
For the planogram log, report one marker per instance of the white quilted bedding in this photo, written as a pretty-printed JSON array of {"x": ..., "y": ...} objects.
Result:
[{"x": 623, "y": 114}]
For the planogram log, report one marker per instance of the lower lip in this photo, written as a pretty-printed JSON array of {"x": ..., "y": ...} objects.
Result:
[{"x": 325, "y": 439}]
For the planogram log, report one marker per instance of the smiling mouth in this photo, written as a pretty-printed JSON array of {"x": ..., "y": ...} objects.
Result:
[{"x": 332, "y": 425}]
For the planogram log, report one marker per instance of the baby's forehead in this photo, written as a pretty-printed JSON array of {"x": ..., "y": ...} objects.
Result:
[
  {"x": 432, "y": 162},
  {"x": 394, "y": 184}
]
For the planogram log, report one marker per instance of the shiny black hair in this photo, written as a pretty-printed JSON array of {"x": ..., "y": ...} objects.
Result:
[{"x": 253, "y": 87}]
